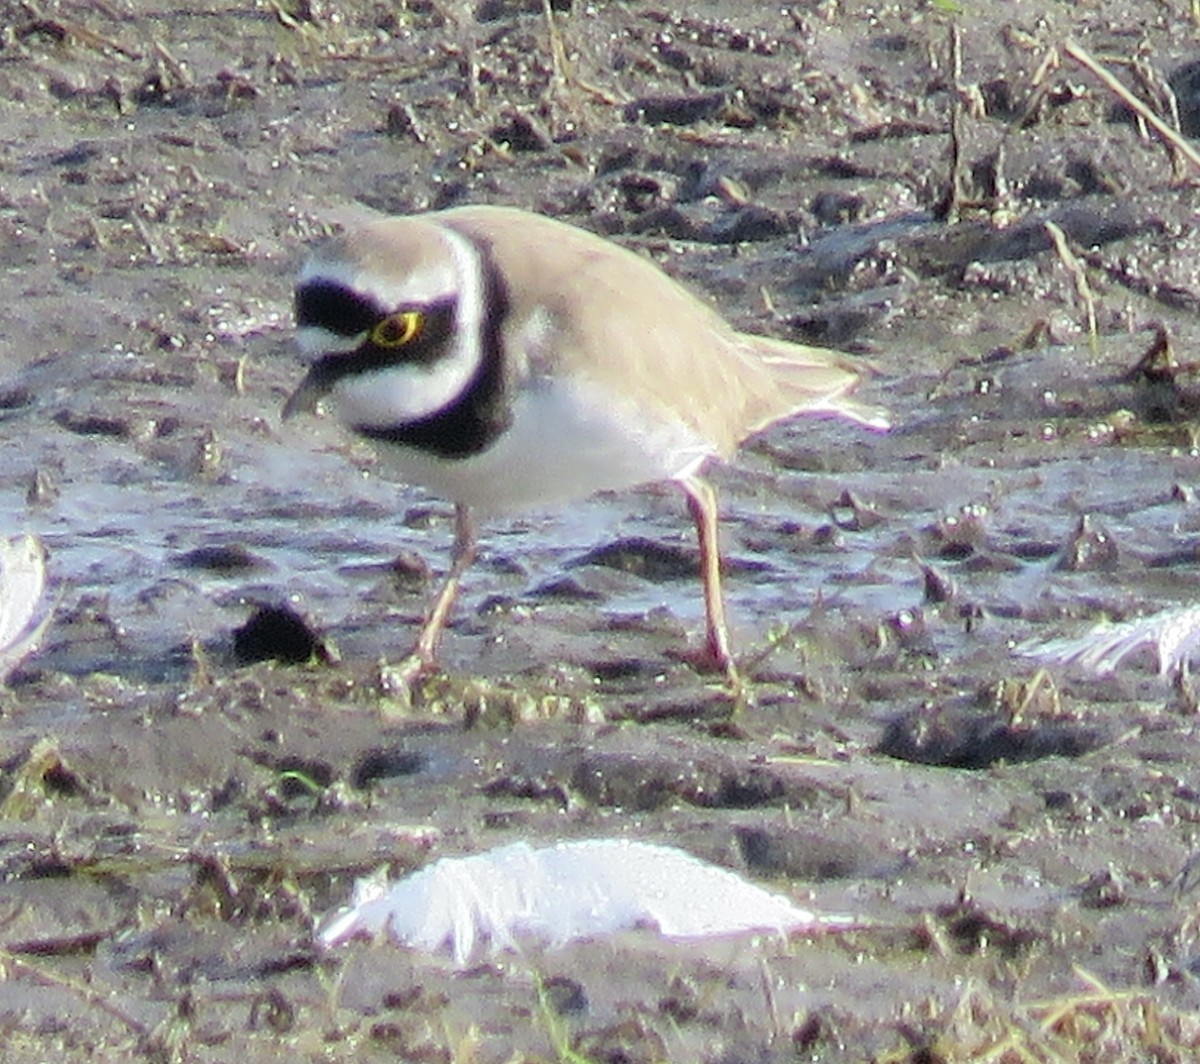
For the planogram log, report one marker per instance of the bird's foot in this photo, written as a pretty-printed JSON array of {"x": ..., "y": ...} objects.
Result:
[
  {"x": 707, "y": 659},
  {"x": 711, "y": 660},
  {"x": 400, "y": 680}
]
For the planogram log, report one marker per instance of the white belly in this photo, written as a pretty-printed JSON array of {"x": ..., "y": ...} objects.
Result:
[{"x": 565, "y": 443}]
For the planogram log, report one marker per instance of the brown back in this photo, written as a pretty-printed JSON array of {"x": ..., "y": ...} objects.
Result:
[{"x": 618, "y": 320}]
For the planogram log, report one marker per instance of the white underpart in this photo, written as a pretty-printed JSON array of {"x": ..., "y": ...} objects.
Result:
[
  {"x": 568, "y": 439},
  {"x": 558, "y": 894}
]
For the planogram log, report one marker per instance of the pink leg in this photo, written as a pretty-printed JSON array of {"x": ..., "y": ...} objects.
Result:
[
  {"x": 702, "y": 505},
  {"x": 465, "y": 551}
]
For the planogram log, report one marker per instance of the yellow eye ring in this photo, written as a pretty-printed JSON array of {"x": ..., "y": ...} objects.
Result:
[{"x": 398, "y": 329}]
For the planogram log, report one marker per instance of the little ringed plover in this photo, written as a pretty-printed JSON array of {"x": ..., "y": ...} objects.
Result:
[{"x": 507, "y": 362}]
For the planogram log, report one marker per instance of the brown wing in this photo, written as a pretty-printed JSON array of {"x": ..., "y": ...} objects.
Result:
[{"x": 615, "y": 317}]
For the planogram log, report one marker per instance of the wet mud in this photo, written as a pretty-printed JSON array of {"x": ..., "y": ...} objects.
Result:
[{"x": 206, "y": 750}]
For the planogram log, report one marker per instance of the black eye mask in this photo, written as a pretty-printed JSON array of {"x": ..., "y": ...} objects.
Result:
[{"x": 332, "y": 306}]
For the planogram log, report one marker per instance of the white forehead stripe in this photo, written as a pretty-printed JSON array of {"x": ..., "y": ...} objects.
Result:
[{"x": 427, "y": 285}]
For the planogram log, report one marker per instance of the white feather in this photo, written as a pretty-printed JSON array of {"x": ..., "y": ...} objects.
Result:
[
  {"x": 1173, "y": 636},
  {"x": 469, "y": 906},
  {"x": 23, "y": 614}
]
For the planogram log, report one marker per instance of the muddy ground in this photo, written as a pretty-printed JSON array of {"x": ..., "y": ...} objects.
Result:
[{"x": 1016, "y": 840}]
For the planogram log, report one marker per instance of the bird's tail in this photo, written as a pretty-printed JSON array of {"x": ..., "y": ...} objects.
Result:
[{"x": 809, "y": 380}]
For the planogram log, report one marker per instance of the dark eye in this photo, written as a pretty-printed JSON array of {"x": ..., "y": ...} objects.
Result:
[{"x": 396, "y": 330}]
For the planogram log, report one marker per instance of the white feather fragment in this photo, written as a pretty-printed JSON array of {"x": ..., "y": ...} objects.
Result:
[
  {"x": 558, "y": 894},
  {"x": 23, "y": 615},
  {"x": 1172, "y": 635}
]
